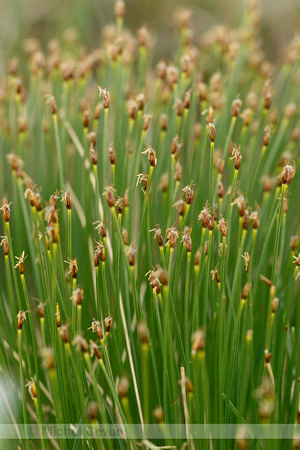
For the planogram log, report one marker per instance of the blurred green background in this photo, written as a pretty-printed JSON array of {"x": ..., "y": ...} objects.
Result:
[{"x": 48, "y": 19}]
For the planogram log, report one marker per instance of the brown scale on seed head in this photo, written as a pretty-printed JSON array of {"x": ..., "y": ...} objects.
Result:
[
  {"x": 94, "y": 350},
  {"x": 73, "y": 267},
  {"x": 146, "y": 121},
  {"x": 178, "y": 172},
  {"x": 119, "y": 205},
  {"x": 237, "y": 157},
  {"x": 223, "y": 226},
  {"x": 111, "y": 154},
  {"x": 99, "y": 253},
  {"x": 143, "y": 333},
  {"x": 21, "y": 317},
  {"x": 220, "y": 189},
  {"x": 246, "y": 290},
  {"x": 215, "y": 274},
  {"x": 100, "y": 227},
  {"x": 189, "y": 193},
  {"x": 205, "y": 215},
  {"x": 66, "y": 198},
  {"x": 267, "y": 136},
  {"x": 105, "y": 96},
  {"x": 96, "y": 328},
  {"x": 93, "y": 155},
  {"x": 20, "y": 262},
  {"x": 236, "y": 107},
  {"x": 246, "y": 258},
  {"x": 212, "y": 131},
  {"x": 172, "y": 235},
  {"x": 77, "y": 296},
  {"x": 6, "y": 211},
  {"x": 153, "y": 279},
  {"x": 287, "y": 174},
  {"x": 64, "y": 333},
  {"x": 125, "y": 236},
  {"x": 4, "y": 242},
  {"x": 158, "y": 235},
  {"x": 32, "y": 388},
  {"x": 109, "y": 193},
  {"x": 80, "y": 344},
  {"x": 142, "y": 178},
  {"x": 151, "y": 155},
  {"x": 246, "y": 220},
  {"x": 198, "y": 343},
  {"x": 130, "y": 253},
  {"x": 187, "y": 241},
  {"x": 180, "y": 205},
  {"x": 241, "y": 204},
  {"x": 294, "y": 242},
  {"x": 267, "y": 94}
]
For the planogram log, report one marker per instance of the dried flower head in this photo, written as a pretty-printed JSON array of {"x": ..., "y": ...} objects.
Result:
[
  {"x": 80, "y": 344},
  {"x": 246, "y": 258},
  {"x": 287, "y": 174},
  {"x": 154, "y": 280},
  {"x": 142, "y": 178},
  {"x": 158, "y": 235},
  {"x": 223, "y": 226},
  {"x": 172, "y": 235},
  {"x": 73, "y": 267},
  {"x": 100, "y": 227},
  {"x": 21, "y": 317},
  {"x": 109, "y": 193},
  {"x": 66, "y": 197},
  {"x": 77, "y": 296},
  {"x": 151, "y": 155},
  {"x": 20, "y": 262},
  {"x": 6, "y": 211},
  {"x": 237, "y": 157},
  {"x": 32, "y": 388},
  {"x": 189, "y": 193},
  {"x": 4, "y": 242},
  {"x": 105, "y": 95},
  {"x": 204, "y": 215}
]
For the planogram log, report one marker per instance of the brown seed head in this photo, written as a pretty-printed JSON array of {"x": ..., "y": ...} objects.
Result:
[
  {"x": 294, "y": 242},
  {"x": 143, "y": 332},
  {"x": 212, "y": 131},
  {"x": 4, "y": 242},
  {"x": 110, "y": 195},
  {"x": 93, "y": 155},
  {"x": 120, "y": 8},
  {"x": 236, "y": 107},
  {"x": 189, "y": 193},
  {"x": 94, "y": 349},
  {"x": 21, "y": 317},
  {"x": 288, "y": 174},
  {"x": 20, "y": 262},
  {"x": 66, "y": 198},
  {"x": 158, "y": 235},
  {"x": 92, "y": 411},
  {"x": 77, "y": 296},
  {"x": 73, "y": 267},
  {"x": 112, "y": 154},
  {"x": 237, "y": 157},
  {"x": 100, "y": 227},
  {"x": 64, "y": 333},
  {"x": 267, "y": 136},
  {"x": 204, "y": 215},
  {"x": 105, "y": 96},
  {"x": 223, "y": 226},
  {"x": 198, "y": 344},
  {"x": 151, "y": 156},
  {"x": 6, "y": 211},
  {"x": 172, "y": 235},
  {"x": 32, "y": 388},
  {"x": 246, "y": 290},
  {"x": 80, "y": 344}
]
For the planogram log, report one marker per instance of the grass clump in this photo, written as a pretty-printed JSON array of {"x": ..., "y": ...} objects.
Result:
[{"x": 155, "y": 214}]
